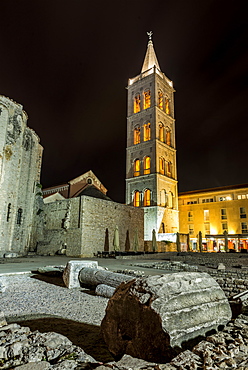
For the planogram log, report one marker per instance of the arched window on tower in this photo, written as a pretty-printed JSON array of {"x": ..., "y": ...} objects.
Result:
[
  {"x": 163, "y": 198},
  {"x": 161, "y": 132},
  {"x": 147, "y": 198},
  {"x": 147, "y": 99},
  {"x": 160, "y": 100},
  {"x": 136, "y": 167},
  {"x": 136, "y": 106},
  {"x": 168, "y": 170},
  {"x": 168, "y": 136},
  {"x": 147, "y": 165},
  {"x": 136, "y": 199},
  {"x": 147, "y": 131},
  {"x": 161, "y": 165},
  {"x": 136, "y": 135},
  {"x": 170, "y": 200},
  {"x": 167, "y": 106}
]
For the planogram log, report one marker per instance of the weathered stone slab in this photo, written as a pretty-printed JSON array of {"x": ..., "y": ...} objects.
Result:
[
  {"x": 71, "y": 272},
  {"x": 149, "y": 317},
  {"x": 51, "y": 270}
]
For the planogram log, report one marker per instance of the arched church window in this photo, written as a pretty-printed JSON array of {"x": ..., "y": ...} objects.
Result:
[
  {"x": 8, "y": 212},
  {"x": 147, "y": 165},
  {"x": 168, "y": 172},
  {"x": 147, "y": 198},
  {"x": 163, "y": 198},
  {"x": 147, "y": 131},
  {"x": 136, "y": 107},
  {"x": 167, "y": 106},
  {"x": 147, "y": 99},
  {"x": 136, "y": 167},
  {"x": 161, "y": 165},
  {"x": 160, "y": 100},
  {"x": 136, "y": 136},
  {"x": 168, "y": 137},
  {"x": 161, "y": 132},
  {"x": 19, "y": 216},
  {"x": 136, "y": 199},
  {"x": 170, "y": 200}
]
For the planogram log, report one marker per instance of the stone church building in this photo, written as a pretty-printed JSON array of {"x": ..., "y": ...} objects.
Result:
[{"x": 78, "y": 217}]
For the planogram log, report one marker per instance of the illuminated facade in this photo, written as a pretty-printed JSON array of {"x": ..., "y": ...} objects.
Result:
[
  {"x": 220, "y": 214},
  {"x": 151, "y": 175}
]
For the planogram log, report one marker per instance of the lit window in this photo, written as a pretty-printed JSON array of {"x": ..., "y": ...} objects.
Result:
[
  {"x": 147, "y": 198},
  {"x": 223, "y": 214},
  {"x": 161, "y": 165},
  {"x": 137, "y": 167},
  {"x": 206, "y": 215},
  {"x": 169, "y": 169},
  {"x": 136, "y": 136},
  {"x": 136, "y": 107},
  {"x": 147, "y": 165},
  {"x": 19, "y": 216},
  {"x": 242, "y": 212},
  {"x": 147, "y": 99},
  {"x": 136, "y": 199},
  {"x": 160, "y": 100},
  {"x": 244, "y": 227},
  {"x": 191, "y": 229},
  {"x": 167, "y": 106},
  {"x": 209, "y": 200},
  {"x": 224, "y": 226},
  {"x": 8, "y": 212},
  {"x": 161, "y": 132},
  {"x": 168, "y": 137},
  {"x": 190, "y": 216},
  {"x": 147, "y": 132},
  {"x": 207, "y": 228}
]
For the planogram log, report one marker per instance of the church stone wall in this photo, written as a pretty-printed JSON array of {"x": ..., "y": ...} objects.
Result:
[
  {"x": 20, "y": 161},
  {"x": 80, "y": 225}
]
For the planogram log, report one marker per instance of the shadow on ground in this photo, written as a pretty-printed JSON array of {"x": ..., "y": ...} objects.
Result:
[
  {"x": 55, "y": 280},
  {"x": 83, "y": 335}
]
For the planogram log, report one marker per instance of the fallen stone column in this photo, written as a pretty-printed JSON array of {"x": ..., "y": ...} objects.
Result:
[
  {"x": 105, "y": 290},
  {"x": 94, "y": 277},
  {"x": 150, "y": 317}
]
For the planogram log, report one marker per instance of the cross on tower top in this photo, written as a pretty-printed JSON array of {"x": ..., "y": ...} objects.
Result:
[{"x": 150, "y": 35}]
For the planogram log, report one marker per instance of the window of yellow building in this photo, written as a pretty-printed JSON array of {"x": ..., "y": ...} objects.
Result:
[
  {"x": 136, "y": 199},
  {"x": 136, "y": 135},
  {"x": 242, "y": 212},
  {"x": 147, "y": 131},
  {"x": 147, "y": 197},
  {"x": 161, "y": 132},
  {"x": 224, "y": 227},
  {"x": 147, "y": 165},
  {"x": 191, "y": 229},
  {"x": 147, "y": 99},
  {"x": 167, "y": 106},
  {"x": 206, "y": 215},
  {"x": 161, "y": 166},
  {"x": 223, "y": 214},
  {"x": 136, "y": 107},
  {"x": 190, "y": 216},
  {"x": 207, "y": 228},
  {"x": 160, "y": 100},
  {"x": 137, "y": 167},
  {"x": 244, "y": 228}
]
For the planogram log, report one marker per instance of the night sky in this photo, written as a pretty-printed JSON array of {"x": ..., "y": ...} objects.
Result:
[{"x": 68, "y": 63}]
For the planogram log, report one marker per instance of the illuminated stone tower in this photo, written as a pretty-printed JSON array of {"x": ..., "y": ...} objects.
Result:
[{"x": 151, "y": 175}]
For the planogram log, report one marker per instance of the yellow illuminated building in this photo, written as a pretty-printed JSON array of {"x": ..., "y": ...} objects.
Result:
[{"x": 218, "y": 215}]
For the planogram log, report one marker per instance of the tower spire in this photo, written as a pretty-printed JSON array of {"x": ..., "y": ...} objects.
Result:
[{"x": 150, "y": 57}]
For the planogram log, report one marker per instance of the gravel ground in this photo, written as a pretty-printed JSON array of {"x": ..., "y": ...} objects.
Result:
[{"x": 26, "y": 296}]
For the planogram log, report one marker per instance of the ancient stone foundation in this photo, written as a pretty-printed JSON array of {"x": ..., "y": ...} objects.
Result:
[{"x": 151, "y": 317}]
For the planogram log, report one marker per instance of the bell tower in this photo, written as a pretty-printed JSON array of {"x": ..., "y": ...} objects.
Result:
[{"x": 151, "y": 175}]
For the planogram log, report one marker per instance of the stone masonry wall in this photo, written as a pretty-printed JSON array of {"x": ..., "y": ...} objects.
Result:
[
  {"x": 85, "y": 225},
  {"x": 20, "y": 161}
]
